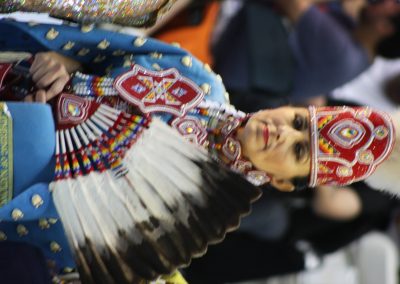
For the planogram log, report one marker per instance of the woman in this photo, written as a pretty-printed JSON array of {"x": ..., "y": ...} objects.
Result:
[{"x": 345, "y": 145}]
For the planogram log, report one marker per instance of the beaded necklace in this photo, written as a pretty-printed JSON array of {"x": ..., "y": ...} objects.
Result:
[
  {"x": 214, "y": 127},
  {"x": 93, "y": 86}
]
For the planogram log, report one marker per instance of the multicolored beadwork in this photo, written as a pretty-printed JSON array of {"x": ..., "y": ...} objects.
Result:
[
  {"x": 9, "y": 6},
  {"x": 214, "y": 127},
  {"x": 93, "y": 86},
  {"x": 166, "y": 91},
  {"x": 347, "y": 144},
  {"x": 122, "y": 12},
  {"x": 210, "y": 125},
  {"x": 94, "y": 138}
]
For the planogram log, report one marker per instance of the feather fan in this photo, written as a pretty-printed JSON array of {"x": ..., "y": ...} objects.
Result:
[{"x": 135, "y": 198}]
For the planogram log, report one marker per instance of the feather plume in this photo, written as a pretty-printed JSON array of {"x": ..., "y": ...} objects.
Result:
[
  {"x": 171, "y": 202},
  {"x": 386, "y": 177}
]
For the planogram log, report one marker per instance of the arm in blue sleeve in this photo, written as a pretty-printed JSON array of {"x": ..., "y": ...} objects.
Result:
[{"x": 31, "y": 218}]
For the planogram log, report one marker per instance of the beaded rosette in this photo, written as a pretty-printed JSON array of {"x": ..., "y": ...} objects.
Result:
[{"x": 347, "y": 144}]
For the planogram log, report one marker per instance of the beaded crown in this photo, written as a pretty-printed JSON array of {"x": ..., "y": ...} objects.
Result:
[{"x": 348, "y": 143}]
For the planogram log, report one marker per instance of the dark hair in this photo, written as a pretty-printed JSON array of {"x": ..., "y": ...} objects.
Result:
[
  {"x": 373, "y": 2},
  {"x": 300, "y": 183},
  {"x": 390, "y": 46}
]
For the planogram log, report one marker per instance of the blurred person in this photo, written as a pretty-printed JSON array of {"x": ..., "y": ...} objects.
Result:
[
  {"x": 255, "y": 63},
  {"x": 316, "y": 223},
  {"x": 325, "y": 52},
  {"x": 378, "y": 86},
  {"x": 322, "y": 50},
  {"x": 192, "y": 29},
  {"x": 378, "y": 28}
]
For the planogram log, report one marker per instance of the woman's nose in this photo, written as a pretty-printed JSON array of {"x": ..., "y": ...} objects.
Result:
[
  {"x": 282, "y": 133},
  {"x": 287, "y": 132}
]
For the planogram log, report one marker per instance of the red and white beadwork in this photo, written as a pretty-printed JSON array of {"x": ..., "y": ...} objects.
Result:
[
  {"x": 159, "y": 91},
  {"x": 347, "y": 144},
  {"x": 4, "y": 69},
  {"x": 72, "y": 109},
  {"x": 191, "y": 128},
  {"x": 218, "y": 134}
]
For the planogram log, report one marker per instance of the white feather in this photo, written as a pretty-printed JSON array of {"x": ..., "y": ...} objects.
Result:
[{"x": 154, "y": 210}]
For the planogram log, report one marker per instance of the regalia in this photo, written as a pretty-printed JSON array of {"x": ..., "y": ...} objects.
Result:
[
  {"x": 142, "y": 181},
  {"x": 126, "y": 198},
  {"x": 164, "y": 198},
  {"x": 137, "y": 200}
]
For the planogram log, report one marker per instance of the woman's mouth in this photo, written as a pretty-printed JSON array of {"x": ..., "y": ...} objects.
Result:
[{"x": 266, "y": 135}]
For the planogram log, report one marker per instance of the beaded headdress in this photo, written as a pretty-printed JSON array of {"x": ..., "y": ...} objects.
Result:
[{"x": 347, "y": 144}]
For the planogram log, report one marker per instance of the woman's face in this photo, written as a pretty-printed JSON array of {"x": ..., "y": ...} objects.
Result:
[{"x": 277, "y": 141}]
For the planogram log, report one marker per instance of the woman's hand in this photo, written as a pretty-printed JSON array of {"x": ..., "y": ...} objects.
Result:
[
  {"x": 338, "y": 204},
  {"x": 50, "y": 72}
]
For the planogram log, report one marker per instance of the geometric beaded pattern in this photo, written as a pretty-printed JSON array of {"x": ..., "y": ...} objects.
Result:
[
  {"x": 158, "y": 91},
  {"x": 96, "y": 138},
  {"x": 347, "y": 144},
  {"x": 215, "y": 128}
]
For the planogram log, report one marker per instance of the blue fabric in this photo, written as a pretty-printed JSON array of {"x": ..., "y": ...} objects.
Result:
[
  {"x": 34, "y": 135},
  {"x": 22, "y": 264},
  {"x": 34, "y": 147},
  {"x": 326, "y": 55},
  {"x": 17, "y": 36},
  {"x": 33, "y": 158},
  {"x": 38, "y": 236}
]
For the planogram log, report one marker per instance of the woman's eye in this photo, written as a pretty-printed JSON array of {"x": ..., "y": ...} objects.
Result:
[
  {"x": 298, "y": 122},
  {"x": 299, "y": 150}
]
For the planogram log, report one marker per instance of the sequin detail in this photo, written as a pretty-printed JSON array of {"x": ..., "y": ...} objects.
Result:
[{"x": 122, "y": 12}]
